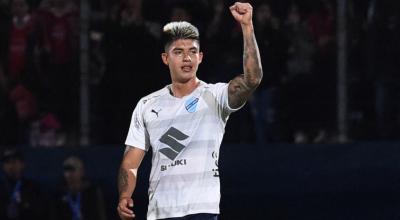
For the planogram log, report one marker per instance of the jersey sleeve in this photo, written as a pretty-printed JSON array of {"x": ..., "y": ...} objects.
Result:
[
  {"x": 137, "y": 134},
  {"x": 221, "y": 94}
]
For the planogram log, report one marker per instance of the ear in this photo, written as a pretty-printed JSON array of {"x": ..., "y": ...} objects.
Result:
[
  {"x": 164, "y": 57},
  {"x": 200, "y": 57}
]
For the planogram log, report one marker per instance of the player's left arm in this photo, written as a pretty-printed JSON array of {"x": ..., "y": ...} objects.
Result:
[{"x": 241, "y": 87}]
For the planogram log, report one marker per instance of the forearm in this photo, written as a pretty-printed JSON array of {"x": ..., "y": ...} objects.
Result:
[
  {"x": 128, "y": 171},
  {"x": 251, "y": 58},
  {"x": 126, "y": 180}
]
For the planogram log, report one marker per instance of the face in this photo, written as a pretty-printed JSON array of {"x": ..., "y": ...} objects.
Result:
[
  {"x": 73, "y": 176},
  {"x": 294, "y": 15},
  {"x": 19, "y": 7},
  {"x": 13, "y": 168},
  {"x": 263, "y": 13},
  {"x": 183, "y": 58}
]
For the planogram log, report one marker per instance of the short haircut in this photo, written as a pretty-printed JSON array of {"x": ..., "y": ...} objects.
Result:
[
  {"x": 178, "y": 30},
  {"x": 12, "y": 154}
]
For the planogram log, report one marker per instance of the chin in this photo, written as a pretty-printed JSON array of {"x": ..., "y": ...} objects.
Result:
[{"x": 183, "y": 78}]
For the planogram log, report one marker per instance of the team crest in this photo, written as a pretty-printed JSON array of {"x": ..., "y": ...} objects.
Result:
[{"x": 191, "y": 104}]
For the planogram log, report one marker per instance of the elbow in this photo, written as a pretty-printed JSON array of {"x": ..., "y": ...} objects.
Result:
[
  {"x": 255, "y": 80},
  {"x": 254, "y": 83}
]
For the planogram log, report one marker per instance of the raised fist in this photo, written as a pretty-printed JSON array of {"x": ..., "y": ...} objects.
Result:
[{"x": 242, "y": 12}]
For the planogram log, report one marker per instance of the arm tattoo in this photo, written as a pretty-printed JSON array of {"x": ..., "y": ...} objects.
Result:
[
  {"x": 242, "y": 86},
  {"x": 251, "y": 62},
  {"x": 122, "y": 180},
  {"x": 239, "y": 91}
]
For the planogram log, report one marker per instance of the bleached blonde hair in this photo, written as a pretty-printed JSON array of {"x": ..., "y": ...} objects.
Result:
[{"x": 179, "y": 30}]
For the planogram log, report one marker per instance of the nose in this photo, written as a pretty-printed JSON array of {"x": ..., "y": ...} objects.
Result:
[{"x": 186, "y": 57}]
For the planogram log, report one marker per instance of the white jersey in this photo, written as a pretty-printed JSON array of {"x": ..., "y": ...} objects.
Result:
[{"x": 185, "y": 135}]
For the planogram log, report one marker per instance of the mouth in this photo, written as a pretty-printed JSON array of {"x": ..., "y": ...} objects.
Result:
[{"x": 187, "y": 68}]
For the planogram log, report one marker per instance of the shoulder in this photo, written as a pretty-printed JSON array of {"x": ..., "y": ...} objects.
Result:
[
  {"x": 216, "y": 88},
  {"x": 152, "y": 98}
]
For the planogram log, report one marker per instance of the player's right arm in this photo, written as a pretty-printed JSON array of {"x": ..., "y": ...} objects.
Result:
[
  {"x": 241, "y": 87},
  {"x": 127, "y": 181}
]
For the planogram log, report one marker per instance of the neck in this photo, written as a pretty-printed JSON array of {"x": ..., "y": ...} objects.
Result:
[
  {"x": 14, "y": 179},
  {"x": 75, "y": 187},
  {"x": 180, "y": 90}
]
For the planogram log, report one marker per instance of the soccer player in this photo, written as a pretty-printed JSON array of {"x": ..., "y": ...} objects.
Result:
[{"x": 184, "y": 124}]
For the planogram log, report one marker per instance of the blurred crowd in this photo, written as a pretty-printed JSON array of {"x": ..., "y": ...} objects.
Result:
[
  {"x": 73, "y": 198},
  {"x": 296, "y": 102}
]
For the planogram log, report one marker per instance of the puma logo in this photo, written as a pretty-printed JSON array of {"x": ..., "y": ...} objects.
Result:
[{"x": 155, "y": 112}]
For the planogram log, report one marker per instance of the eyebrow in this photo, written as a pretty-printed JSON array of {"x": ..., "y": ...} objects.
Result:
[{"x": 180, "y": 49}]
